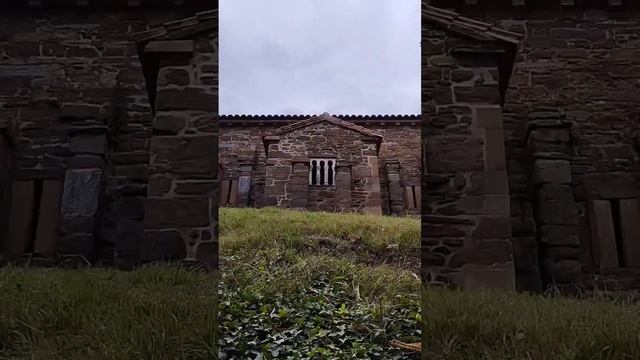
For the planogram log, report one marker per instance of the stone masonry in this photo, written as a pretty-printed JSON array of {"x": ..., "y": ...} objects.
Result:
[
  {"x": 98, "y": 109},
  {"x": 466, "y": 232},
  {"x": 570, "y": 125},
  {"x": 355, "y": 151},
  {"x": 528, "y": 178},
  {"x": 243, "y": 154}
]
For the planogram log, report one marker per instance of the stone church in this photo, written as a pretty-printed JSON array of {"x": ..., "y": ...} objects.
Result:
[
  {"x": 368, "y": 164},
  {"x": 112, "y": 151}
]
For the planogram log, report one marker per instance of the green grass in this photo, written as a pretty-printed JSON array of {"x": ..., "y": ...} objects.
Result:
[
  {"x": 488, "y": 325},
  {"x": 153, "y": 313},
  {"x": 298, "y": 285},
  {"x": 251, "y": 229},
  {"x": 302, "y": 285}
]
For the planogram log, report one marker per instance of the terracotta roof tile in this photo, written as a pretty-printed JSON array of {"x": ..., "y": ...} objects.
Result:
[
  {"x": 275, "y": 117},
  {"x": 476, "y": 29}
]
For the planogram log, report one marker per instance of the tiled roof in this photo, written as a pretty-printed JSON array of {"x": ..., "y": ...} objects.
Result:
[
  {"x": 328, "y": 118},
  {"x": 469, "y": 27},
  {"x": 242, "y": 118},
  {"x": 202, "y": 21}
]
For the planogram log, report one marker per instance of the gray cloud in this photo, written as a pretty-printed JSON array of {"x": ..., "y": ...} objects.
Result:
[{"x": 312, "y": 56}]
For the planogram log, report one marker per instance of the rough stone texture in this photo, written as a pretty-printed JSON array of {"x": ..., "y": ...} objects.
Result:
[
  {"x": 466, "y": 230},
  {"x": 578, "y": 65},
  {"x": 181, "y": 206},
  {"x": 241, "y": 147},
  {"x": 5, "y": 184},
  {"x": 75, "y": 93},
  {"x": 288, "y": 159}
]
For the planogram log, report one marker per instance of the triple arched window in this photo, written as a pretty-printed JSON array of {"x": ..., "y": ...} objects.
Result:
[{"x": 322, "y": 172}]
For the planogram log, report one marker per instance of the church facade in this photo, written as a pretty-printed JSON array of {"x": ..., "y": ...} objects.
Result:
[{"x": 368, "y": 164}]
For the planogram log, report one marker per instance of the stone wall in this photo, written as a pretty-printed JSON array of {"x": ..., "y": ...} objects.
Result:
[
  {"x": 579, "y": 66},
  {"x": 466, "y": 232},
  {"x": 181, "y": 208},
  {"x": 76, "y": 92},
  {"x": 5, "y": 183},
  {"x": 241, "y": 145},
  {"x": 290, "y": 154}
]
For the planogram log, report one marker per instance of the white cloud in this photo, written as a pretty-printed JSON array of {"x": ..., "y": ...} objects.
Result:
[{"x": 312, "y": 56}]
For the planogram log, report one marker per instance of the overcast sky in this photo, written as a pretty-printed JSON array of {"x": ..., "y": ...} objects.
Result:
[{"x": 311, "y": 56}]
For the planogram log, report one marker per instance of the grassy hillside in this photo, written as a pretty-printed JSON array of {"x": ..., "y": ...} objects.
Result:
[
  {"x": 298, "y": 285},
  {"x": 318, "y": 285}
]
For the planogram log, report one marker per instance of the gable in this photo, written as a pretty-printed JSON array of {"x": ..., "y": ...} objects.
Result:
[
  {"x": 325, "y": 118},
  {"x": 275, "y": 135}
]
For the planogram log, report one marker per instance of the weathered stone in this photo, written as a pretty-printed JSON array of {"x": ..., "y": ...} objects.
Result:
[
  {"x": 169, "y": 122},
  {"x": 21, "y": 215},
  {"x": 162, "y": 245},
  {"x": 178, "y": 148},
  {"x": 128, "y": 158},
  {"x": 88, "y": 144},
  {"x": 489, "y": 183},
  {"x": 485, "y": 205},
  {"x": 82, "y": 111},
  {"x": 488, "y": 117},
  {"x": 493, "y": 228},
  {"x": 494, "y": 149},
  {"x": 494, "y": 277},
  {"x": 86, "y": 162},
  {"x": 133, "y": 172},
  {"x": 563, "y": 271},
  {"x": 551, "y": 171},
  {"x": 561, "y": 252},
  {"x": 484, "y": 252},
  {"x": 452, "y": 154},
  {"x": 174, "y": 76},
  {"x": 630, "y": 231},
  {"x": 194, "y": 187},
  {"x": 434, "y": 230},
  {"x": 486, "y": 94},
  {"x": 82, "y": 245},
  {"x": 460, "y": 75},
  {"x": 189, "y": 98},
  {"x": 603, "y": 237},
  {"x": 612, "y": 185},
  {"x": 176, "y": 212},
  {"x": 82, "y": 190},
  {"x": 77, "y": 224},
  {"x": 560, "y": 235},
  {"x": 132, "y": 207}
]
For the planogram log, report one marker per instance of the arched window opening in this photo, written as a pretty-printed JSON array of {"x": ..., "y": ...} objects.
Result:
[{"x": 322, "y": 172}]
